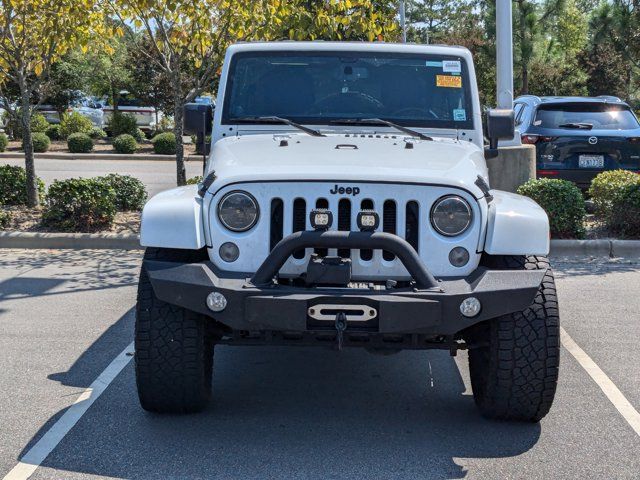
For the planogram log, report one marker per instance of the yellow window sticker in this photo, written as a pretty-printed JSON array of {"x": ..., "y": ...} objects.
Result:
[{"x": 448, "y": 81}]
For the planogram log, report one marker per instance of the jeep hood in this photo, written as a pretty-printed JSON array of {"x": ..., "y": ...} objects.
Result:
[{"x": 347, "y": 158}]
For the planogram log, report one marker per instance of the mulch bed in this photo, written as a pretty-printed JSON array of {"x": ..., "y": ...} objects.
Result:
[{"x": 25, "y": 219}]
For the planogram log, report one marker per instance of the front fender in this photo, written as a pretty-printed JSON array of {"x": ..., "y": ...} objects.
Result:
[
  {"x": 516, "y": 226},
  {"x": 173, "y": 219}
]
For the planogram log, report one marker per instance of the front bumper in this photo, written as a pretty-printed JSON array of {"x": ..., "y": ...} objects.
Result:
[{"x": 430, "y": 306}]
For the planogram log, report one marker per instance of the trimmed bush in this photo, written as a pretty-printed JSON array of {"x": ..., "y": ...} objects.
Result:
[
  {"x": 624, "y": 216},
  {"x": 562, "y": 201},
  {"x": 40, "y": 142},
  {"x": 74, "y": 123},
  {"x": 5, "y": 218},
  {"x": 130, "y": 192},
  {"x": 53, "y": 132},
  {"x": 139, "y": 135},
  {"x": 97, "y": 133},
  {"x": 164, "y": 143},
  {"x": 195, "y": 180},
  {"x": 607, "y": 186},
  {"x": 79, "y": 205},
  {"x": 79, "y": 143},
  {"x": 122, "y": 123},
  {"x": 13, "y": 185},
  {"x": 4, "y": 141},
  {"x": 39, "y": 124},
  {"x": 125, "y": 143}
]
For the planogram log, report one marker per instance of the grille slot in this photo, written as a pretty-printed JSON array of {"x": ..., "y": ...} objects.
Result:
[
  {"x": 299, "y": 222},
  {"x": 412, "y": 232},
  {"x": 344, "y": 223},
  {"x": 389, "y": 218},
  {"x": 367, "y": 254},
  {"x": 277, "y": 222},
  {"x": 322, "y": 203}
]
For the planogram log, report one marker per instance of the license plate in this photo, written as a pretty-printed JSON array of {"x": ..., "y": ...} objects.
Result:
[{"x": 591, "y": 161}]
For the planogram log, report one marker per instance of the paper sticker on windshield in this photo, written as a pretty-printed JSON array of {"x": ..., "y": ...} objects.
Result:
[
  {"x": 459, "y": 115},
  {"x": 431, "y": 63},
  {"x": 451, "y": 66},
  {"x": 448, "y": 81}
]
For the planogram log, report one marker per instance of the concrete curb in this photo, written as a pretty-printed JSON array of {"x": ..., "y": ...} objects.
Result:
[
  {"x": 98, "y": 156},
  {"x": 77, "y": 241},
  {"x": 98, "y": 241}
]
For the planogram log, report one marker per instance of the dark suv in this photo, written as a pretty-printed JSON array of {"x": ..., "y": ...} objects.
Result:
[{"x": 578, "y": 137}]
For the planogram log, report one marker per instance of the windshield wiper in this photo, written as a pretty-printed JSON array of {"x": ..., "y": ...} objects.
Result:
[
  {"x": 380, "y": 121},
  {"x": 286, "y": 121},
  {"x": 580, "y": 126}
]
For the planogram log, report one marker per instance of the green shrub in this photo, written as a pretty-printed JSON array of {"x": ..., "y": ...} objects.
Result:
[
  {"x": 623, "y": 217},
  {"x": 164, "y": 143},
  {"x": 139, "y": 135},
  {"x": 125, "y": 144},
  {"x": 195, "y": 180},
  {"x": 74, "y": 123},
  {"x": 79, "y": 205},
  {"x": 13, "y": 185},
  {"x": 607, "y": 186},
  {"x": 39, "y": 124},
  {"x": 130, "y": 192},
  {"x": 97, "y": 133},
  {"x": 4, "y": 141},
  {"x": 562, "y": 201},
  {"x": 79, "y": 143},
  {"x": 5, "y": 218},
  {"x": 53, "y": 132},
  {"x": 122, "y": 123},
  {"x": 40, "y": 142}
]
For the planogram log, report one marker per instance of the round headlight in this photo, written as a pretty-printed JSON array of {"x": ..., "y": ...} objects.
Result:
[
  {"x": 451, "y": 215},
  {"x": 238, "y": 211}
]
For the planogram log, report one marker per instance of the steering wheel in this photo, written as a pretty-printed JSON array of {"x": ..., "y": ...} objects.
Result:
[
  {"x": 415, "y": 111},
  {"x": 348, "y": 101}
]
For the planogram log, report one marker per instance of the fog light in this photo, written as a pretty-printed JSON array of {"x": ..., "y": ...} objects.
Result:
[
  {"x": 321, "y": 219},
  {"x": 368, "y": 220},
  {"x": 229, "y": 252},
  {"x": 459, "y": 257},
  {"x": 216, "y": 302},
  {"x": 470, "y": 307}
]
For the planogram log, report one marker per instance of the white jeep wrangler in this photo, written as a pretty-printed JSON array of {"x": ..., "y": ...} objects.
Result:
[{"x": 346, "y": 203}]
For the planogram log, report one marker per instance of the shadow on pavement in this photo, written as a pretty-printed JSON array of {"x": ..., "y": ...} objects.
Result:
[
  {"x": 294, "y": 413},
  {"x": 588, "y": 266}
]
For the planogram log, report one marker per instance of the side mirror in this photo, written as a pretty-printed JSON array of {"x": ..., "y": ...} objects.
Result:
[
  {"x": 500, "y": 126},
  {"x": 197, "y": 119}
]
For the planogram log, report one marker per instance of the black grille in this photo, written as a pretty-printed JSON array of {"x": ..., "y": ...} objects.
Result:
[
  {"x": 277, "y": 222},
  {"x": 389, "y": 220},
  {"x": 344, "y": 223},
  {"x": 299, "y": 221},
  {"x": 366, "y": 204},
  {"x": 412, "y": 233}
]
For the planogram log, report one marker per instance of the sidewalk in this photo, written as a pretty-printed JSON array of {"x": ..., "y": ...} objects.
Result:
[{"x": 99, "y": 156}]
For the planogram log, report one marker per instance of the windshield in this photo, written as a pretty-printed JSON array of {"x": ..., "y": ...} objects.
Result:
[
  {"x": 322, "y": 87},
  {"x": 596, "y": 116}
]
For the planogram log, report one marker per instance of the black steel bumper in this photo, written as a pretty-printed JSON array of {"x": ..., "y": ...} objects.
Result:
[{"x": 430, "y": 306}]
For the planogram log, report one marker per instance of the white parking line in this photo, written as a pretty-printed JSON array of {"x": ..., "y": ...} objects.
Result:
[
  {"x": 612, "y": 392},
  {"x": 37, "y": 454}
]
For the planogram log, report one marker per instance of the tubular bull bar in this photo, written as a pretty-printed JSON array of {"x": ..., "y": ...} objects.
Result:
[{"x": 429, "y": 306}]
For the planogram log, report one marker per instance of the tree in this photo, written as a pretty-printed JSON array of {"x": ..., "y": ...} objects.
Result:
[
  {"x": 433, "y": 21},
  {"x": 33, "y": 35},
  {"x": 188, "y": 38}
]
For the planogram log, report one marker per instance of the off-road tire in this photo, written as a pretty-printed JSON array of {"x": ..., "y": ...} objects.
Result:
[
  {"x": 174, "y": 352},
  {"x": 513, "y": 359}
]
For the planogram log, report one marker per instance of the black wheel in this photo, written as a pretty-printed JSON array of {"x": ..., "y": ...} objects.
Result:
[
  {"x": 174, "y": 352},
  {"x": 513, "y": 359}
]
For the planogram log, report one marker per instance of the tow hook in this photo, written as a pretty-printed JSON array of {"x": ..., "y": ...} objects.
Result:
[{"x": 341, "y": 326}]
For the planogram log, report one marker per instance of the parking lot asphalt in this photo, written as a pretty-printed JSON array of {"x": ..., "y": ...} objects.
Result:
[
  {"x": 156, "y": 175},
  {"x": 300, "y": 412}
]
